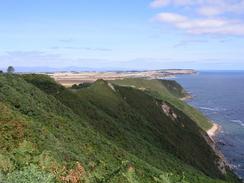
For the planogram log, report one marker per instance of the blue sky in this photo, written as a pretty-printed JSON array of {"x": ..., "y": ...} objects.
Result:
[{"x": 128, "y": 34}]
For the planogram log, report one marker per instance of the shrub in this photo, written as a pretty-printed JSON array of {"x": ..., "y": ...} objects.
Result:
[
  {"x": 48, "y": 163},
  {"x": 24, "y": 153},
  {"x": 30, "y": 174},
  {"x": 2, "y": 177},
  {"x": 81, "y": 85},
  {"x": 5, "y": 164}
]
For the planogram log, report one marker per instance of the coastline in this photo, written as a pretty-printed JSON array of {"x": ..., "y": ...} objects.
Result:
[
  {"x": 188, "y": 97},
  {"x": 215, "y": 129},
  {"x": 215, "y": 143},
  {"x": 212, "y": 132}
]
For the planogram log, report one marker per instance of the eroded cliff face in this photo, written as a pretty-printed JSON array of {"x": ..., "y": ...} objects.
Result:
[
  {"x": 169, "y": 111},
  {"x": 220, "y": 161}
]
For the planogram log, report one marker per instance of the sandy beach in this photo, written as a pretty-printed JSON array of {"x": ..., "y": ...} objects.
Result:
[
  {"x": 213, "y": 131},
  {"x": 188, "y": 97}
]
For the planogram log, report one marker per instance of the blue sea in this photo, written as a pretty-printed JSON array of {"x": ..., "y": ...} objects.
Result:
[{"x": 220, "y": 96}]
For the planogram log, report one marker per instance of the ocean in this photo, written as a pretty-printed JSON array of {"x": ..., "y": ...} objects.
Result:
[{"x": 220, "y": 96}]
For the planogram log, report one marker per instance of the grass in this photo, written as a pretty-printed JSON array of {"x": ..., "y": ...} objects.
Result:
[
  {"x": 169, "y": 91},
  {"x": 99, "y": 133}
]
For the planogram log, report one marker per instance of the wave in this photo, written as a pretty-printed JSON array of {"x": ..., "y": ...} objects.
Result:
[
  {"x": 210, "y": 109},
  {"x": 238, "y": 122}
]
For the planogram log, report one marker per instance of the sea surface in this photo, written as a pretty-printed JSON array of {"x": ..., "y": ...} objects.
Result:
[{"x": 220, "y": 96}]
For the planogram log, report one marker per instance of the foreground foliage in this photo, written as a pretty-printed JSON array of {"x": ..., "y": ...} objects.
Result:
[{"x": 101, "y": 133}]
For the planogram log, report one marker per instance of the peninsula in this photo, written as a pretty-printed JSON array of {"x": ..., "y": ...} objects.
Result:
[{"x": 70, "y": 78}]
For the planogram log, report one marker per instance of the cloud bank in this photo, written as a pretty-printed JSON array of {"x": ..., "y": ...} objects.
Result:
[{"x": 219, "y": 17}]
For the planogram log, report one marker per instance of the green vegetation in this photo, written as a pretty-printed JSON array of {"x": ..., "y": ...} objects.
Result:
[
  {"x": 170, "y": 91},
  {"x": 100, "y": 133},
  {"x": 81, "y": 85},
  {"x": 10, "y": 69}
]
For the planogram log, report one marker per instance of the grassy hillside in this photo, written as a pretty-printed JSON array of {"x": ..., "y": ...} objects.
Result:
[
  {"x": 102, "y": 133},
  {"x": 156, "y": 86},
  {"x": 170, "y": 91}
]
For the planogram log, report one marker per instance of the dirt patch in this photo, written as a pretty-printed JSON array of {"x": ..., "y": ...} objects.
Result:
[
  {"x": 169, "y": 111},
  {"x": 11, "y": 133},
  {"x": 74, "y": 175}
]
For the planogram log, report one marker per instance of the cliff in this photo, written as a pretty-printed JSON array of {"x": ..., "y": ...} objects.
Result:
[{"x": 105, "y": 132}]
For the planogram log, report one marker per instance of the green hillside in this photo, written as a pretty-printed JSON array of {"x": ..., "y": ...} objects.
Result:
[
  {"x": 170, "y": 91},
  {"x": 102, "y": 133}
]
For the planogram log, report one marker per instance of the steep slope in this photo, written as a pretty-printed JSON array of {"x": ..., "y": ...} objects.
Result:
[
  {"x": 103, "y": 133},
  {"x": 156, "y": 121},
  {"x": 165, "y": 87},
  {"x": 170, "y": 91}
]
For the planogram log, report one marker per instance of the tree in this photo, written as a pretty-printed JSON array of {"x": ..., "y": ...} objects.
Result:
[
  {"x": 1, "y": 72},
  {"x": 10, "y": 69}
]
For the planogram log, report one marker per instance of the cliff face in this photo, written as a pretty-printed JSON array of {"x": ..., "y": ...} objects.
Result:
[{"x": 106, "y": 132}]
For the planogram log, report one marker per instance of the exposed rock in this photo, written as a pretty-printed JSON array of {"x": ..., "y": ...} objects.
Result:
[
  {"x": 221, "y": 162},
  {"x": 143, "y": 89},
  {"x": 169, "y": 111},
  {"x": 112, "y": 87},
  {"x": 74, "y": 175}
]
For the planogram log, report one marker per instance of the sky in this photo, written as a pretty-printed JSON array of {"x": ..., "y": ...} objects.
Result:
[{"x": 122, "y": 34}]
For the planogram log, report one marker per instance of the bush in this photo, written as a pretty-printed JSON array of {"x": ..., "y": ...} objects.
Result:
[
  {"x": 5, "y": 164},
  {"x": 24, "y": 153},
  {"x": 81, "y": 85},
  {"x": 30, "y": 174},
  {"x": 2, "y": 177}
]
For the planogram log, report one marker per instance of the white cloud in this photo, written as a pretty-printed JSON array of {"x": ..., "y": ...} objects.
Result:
[
  {"x": 220, "y": 8},
  {"x": 159, "y": 3},
  {"x": 33, "y": 58},
  {"x": 80, "y": 48},
  {"x": 210, "y": 11},
  {"x": 163, "y": 3},
  {"x": 186, "y": 42},
  {"x": 205, "y": 7},
  {"x": 44, "y": 59},
  {"x": 202, "y": 25},
  {"x": 171, "y": 18},
  {"x": 203, "y": 16}
]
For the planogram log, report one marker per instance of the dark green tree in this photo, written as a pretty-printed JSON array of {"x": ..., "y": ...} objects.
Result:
[{"x": 10, "y": 69}]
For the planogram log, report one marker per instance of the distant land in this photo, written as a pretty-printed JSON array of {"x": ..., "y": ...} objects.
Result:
[
  {"x": 70, "y": 78},
  {"x": 46, "y": 69}
]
